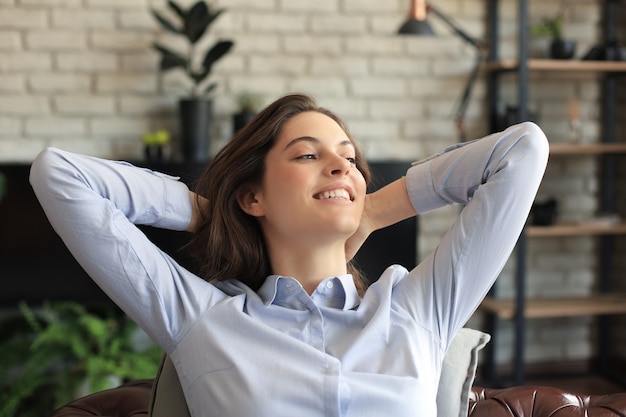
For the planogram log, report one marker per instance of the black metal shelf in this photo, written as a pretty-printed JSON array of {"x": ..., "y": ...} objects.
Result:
[{"x": 520, "y": 309}]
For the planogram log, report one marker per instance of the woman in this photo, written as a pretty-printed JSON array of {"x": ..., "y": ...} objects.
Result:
[{"x": 284, "y": 327}]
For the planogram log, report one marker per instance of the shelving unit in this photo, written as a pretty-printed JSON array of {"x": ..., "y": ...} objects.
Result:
[{"x": 605, "y": 303}]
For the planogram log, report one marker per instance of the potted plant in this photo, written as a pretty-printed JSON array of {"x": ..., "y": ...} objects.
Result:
[
  {"x": 196, "y": 108},
  {"x": 62, "y": 351},
  {"x": 560, "y": 48},
  {"x": 248, "y": 106}
]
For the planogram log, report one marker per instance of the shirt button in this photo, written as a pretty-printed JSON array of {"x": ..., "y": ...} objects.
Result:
[{"x": 329, "y": 284}]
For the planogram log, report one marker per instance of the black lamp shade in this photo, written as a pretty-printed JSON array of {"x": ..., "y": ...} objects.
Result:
[{"x": 416, "y": 27}]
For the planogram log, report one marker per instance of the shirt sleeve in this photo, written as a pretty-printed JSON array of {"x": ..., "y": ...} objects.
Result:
[
  {"x": 496, "y": 178},
  {"x": 94, "y": 205}
]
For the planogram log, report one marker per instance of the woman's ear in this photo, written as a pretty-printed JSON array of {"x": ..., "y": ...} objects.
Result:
[{"x": 248, "y": 199}]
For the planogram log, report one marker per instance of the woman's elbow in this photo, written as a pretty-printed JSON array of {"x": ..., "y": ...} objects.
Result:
[
  {"x": 45, "y": 165},
  {"x": 532, "y": 143}
]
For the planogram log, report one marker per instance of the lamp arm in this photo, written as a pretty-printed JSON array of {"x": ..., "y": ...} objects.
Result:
[
  {"x": 474, "y": 42},
  {"x": 481, "y": 49},
  {"x": 464, "y": 101}
]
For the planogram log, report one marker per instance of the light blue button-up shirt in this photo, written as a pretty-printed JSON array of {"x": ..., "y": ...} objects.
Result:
[{"x": 280, "y": 352}]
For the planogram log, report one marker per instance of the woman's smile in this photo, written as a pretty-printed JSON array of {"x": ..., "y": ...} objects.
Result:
[{"x": 339, "y": 193}]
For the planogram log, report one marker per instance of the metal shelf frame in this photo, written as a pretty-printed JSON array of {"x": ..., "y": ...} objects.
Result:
[{"x": 522, "y": 67}]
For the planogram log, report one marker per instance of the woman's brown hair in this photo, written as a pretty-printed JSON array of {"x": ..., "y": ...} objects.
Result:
[{"x": 228, "y": 243}]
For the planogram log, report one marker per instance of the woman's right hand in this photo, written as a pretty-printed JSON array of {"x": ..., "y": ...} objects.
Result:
[{"x": 384, "y": 207}]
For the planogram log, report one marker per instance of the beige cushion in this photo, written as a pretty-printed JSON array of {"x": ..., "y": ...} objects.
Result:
[
  {"x": 457, "y": 376},
  {"x": 167, "y": 398},
  {"x": 458, "y": 372}
]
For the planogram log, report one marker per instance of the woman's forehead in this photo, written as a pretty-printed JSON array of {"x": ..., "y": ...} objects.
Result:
[{"x": 312, "y": 126}]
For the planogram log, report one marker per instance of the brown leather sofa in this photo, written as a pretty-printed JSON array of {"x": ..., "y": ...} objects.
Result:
[
  {"x": 163, "y": 395},
  {"x": 133, "y": 399}
]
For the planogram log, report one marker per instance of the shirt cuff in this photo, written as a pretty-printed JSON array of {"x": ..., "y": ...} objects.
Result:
[
  {"x": 421, "y": 189},
  {"x": 177, "y": 206}
]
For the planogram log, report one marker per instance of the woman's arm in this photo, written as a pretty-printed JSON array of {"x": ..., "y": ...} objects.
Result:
[
  {"x": 496, "y": 179},
  {"x": 94, "y": 205}
]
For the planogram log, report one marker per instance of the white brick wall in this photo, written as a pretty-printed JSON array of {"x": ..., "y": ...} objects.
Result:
[{"x": 81, "y": 74}]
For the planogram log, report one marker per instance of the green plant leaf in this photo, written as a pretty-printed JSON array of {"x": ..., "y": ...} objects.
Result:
[
  {"x": 549, "y": 26},
  {"x": 218, "y": 50},
  {"x": 61, "y": 345},
  {"x": 167, "y": 25},
  {"x": 170, "y": 59},
  {"x": 196, "y": 22},
  {"x": 177, "y": 9}
]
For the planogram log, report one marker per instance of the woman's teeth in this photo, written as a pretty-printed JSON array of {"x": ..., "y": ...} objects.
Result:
[{"x": 339, "y": 194}]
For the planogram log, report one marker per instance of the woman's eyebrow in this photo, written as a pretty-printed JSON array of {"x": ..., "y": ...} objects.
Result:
[{"x": 316, "y": 141}]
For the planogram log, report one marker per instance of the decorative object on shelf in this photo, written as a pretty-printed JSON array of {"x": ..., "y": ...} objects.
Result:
[
  {"x": 417, "y": 24},
  {"x": 544, "y": 213},
  {"x": 196, "y": 110},
  {"x": 560, "y": 48},
  {"x": 248, "y": 105},
  {"x": 57, "y": 352},
  {"x": 610, "y": 50},
  {"x": 156, "y": 145},
  {"x": 573, "y": 107}
]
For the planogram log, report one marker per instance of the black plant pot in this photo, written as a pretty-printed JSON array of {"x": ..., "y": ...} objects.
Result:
[
  {"x": 562, "y": 49},
  {"x": 196, "y": 116}
]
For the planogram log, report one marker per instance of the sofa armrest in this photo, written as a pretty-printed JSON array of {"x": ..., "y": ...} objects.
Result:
[
  {"x": 128, "y": 400},
  {"x": 540, "y": 401}
]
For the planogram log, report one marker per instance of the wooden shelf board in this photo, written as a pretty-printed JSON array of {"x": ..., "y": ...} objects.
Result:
[
  {"x": 560, "y": 230},
  {"x": 558, "y": 65},
  {"x": 558, "y": 307},
  {"x": 586, "y": 149}
]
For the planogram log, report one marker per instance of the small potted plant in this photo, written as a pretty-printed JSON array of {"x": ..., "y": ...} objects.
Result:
[
  {"x": 156, "y": 145},
  {"x": 196, "y": 108},
  {"x": 248, "y": 106},
  {"x": 560, "y": 48}
]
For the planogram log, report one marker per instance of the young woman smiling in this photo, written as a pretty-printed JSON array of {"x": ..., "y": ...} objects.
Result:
[{"x": 279, "y": 322}]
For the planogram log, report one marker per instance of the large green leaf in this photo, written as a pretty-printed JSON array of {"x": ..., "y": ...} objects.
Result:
[
  {"x": 197, "y": 22},
  {"x": 170, "y": 59},
  {"x": 218, "y": 50},
  {"x": 167, "y": 25}
]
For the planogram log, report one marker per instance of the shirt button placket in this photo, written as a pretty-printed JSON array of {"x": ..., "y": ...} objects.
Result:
[{"x": 317, "y": 330}]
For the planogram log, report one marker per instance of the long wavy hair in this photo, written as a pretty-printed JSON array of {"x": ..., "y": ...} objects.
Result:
[{"x": 228, "y": 243}]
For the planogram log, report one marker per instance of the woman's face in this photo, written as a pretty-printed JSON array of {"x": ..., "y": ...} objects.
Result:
[{"x": 312, "y": 190}]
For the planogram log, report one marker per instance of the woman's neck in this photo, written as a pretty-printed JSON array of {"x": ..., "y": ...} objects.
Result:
[{"x": 309, "y": 265}]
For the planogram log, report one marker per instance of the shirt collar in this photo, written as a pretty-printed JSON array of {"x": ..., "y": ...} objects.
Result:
[{"x": 277, "y": 287}]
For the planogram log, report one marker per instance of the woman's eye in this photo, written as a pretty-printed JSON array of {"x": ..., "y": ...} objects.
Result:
[
  {"x": 351, "y": 160},
  {"x": 307, "y": 156}
]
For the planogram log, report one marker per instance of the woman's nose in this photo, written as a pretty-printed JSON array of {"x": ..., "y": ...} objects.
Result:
[{"x": 340, "y": 166}]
